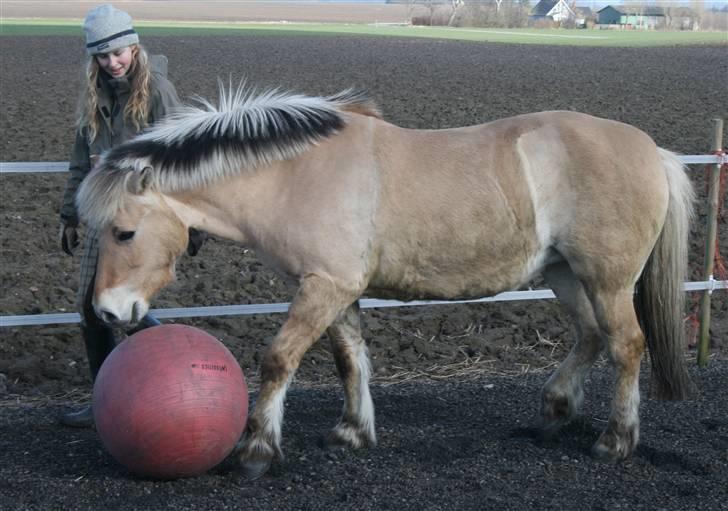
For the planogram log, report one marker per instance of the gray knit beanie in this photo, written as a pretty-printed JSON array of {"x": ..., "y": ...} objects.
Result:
[{"x": 108, "y": 29}]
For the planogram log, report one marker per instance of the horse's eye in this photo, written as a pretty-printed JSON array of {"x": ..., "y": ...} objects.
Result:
[{"x": 125, "y": 235}]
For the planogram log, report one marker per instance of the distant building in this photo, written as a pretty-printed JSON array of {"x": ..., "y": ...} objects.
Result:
[
  {"x": 555, "y": 10},
  {"x": 638, "y": 16}
]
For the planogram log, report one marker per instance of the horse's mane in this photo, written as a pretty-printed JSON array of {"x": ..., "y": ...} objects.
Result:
[{"x": 198, "y": 144}]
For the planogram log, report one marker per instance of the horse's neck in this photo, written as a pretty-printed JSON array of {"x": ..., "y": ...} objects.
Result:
[{"x": 234, "y": 208}]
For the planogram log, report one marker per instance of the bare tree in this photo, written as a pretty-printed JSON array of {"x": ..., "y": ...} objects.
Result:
[
  {"x": 698, "y": 8},
  {"x": 434, "y": 5},
  {"x": 483, "y": 13},
  {"x": 668, "y": 17},
  {"x": 454, "y": 6},
  {"x": 431, "y": 5}
]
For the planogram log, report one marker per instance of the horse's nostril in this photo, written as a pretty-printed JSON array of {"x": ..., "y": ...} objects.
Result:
[{"x": 108, "y": 317}]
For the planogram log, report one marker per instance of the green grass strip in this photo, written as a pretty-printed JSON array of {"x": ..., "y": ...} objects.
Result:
[{"x": 603, "y": 38}]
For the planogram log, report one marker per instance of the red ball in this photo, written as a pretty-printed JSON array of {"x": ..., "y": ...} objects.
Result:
[{"x": 170, "y": 401}]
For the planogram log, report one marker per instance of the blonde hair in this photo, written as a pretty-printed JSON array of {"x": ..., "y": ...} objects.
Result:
[{"x": 137, "y": 108}]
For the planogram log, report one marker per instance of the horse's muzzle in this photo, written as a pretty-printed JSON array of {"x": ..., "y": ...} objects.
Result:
[
  {"x": 108, "y": 317},
  {"x": 111, "y": 317}
]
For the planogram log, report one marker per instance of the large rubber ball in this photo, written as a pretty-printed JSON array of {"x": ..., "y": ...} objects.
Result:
[{"x": 170, "y": 401}]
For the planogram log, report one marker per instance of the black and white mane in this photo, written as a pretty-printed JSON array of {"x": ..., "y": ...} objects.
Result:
[{"x": 196, "y": 145}]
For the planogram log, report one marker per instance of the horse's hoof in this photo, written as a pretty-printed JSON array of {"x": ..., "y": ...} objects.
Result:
[
  {"x": 334, "y": 442},
  {"x": 614, "y": 448},
  {"x": 345, "y": 436},
  {"x": 603, "y": 453},
  {"x": 254, "y": 469}
]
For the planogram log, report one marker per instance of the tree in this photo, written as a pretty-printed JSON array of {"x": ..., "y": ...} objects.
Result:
[
  {"x": 698, "y": 7},
  {"x": 455, "y": 6},
  {"x": 433, "y": 5}
]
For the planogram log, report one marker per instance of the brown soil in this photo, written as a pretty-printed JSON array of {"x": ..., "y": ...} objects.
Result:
[{"x": 672, "y": 93}]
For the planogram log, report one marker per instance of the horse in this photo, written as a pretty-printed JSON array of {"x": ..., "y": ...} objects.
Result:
[{"x": 344, "y": 204}]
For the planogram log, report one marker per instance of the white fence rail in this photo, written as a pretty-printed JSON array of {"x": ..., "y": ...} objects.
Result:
[
  {"x": 276, "y": 308},
  {"x": 12, "y": 167},
  {"x": 273, "y": 308}
]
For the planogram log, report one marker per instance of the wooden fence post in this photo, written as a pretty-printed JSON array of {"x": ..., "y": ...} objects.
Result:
[{"x": 712, "y": 228}]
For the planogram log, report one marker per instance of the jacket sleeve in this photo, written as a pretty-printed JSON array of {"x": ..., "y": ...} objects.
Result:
[{"x": 79, "y": 167}]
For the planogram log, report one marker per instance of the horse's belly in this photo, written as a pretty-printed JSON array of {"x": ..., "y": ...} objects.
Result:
[{"x": 457, "y": 278}]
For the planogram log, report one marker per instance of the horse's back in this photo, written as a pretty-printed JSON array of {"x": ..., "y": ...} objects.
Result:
[
  {"x": 453, "y": 220},
  {"x": 481, "y": 209}
]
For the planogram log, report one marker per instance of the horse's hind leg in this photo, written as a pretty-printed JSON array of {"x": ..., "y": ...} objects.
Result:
[
  {"x": 356, "y": 427},
  {"x": 563, "y": 393},
  {"x": 316, "y": 305},
  {"x": 625, "y": 341}
]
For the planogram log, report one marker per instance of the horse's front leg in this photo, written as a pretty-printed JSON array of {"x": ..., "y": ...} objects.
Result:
[
  {"x": 356, "y": 427},
  {"x": 316, "y": 304}
]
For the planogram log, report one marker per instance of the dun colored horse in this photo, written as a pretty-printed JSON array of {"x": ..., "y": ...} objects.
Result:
[{"x": 345, "y": 204}]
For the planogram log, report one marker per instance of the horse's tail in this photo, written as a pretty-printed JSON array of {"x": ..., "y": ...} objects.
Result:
[{"x": 660, "y": 297}]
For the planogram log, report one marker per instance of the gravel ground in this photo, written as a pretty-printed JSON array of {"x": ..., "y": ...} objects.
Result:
[{"x": 447, "y": 445}]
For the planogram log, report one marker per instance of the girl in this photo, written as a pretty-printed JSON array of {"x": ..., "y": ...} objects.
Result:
[{"x": 125, "y": 90}]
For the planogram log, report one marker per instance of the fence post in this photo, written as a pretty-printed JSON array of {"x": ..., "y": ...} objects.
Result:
[{"x": 711, "y": 233}]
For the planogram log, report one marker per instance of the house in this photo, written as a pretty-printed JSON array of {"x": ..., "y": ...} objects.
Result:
[
  {"x": 640, "y": 16},
  {"x": 555, "y": 10}
]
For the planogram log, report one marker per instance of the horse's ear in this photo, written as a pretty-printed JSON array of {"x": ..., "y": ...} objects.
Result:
[{"x": 139, "y": 181}]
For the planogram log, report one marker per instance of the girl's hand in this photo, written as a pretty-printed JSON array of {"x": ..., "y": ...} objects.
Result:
[
  {"x": 196, "y": 240},
  {"x": 69, "y": 238}
]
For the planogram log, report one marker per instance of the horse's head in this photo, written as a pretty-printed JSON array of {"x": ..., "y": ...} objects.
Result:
[
  {"x": 140, "y": 236},
  {"x": 139, "y": 240}
]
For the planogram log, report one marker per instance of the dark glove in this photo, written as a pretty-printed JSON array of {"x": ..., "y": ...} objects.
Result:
[
  {"x": 69, "y": 238},
  {"x": 196, "y": 240}
]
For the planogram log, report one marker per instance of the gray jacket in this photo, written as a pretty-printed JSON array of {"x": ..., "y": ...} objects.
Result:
[{"x": 113, "y": 96}]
